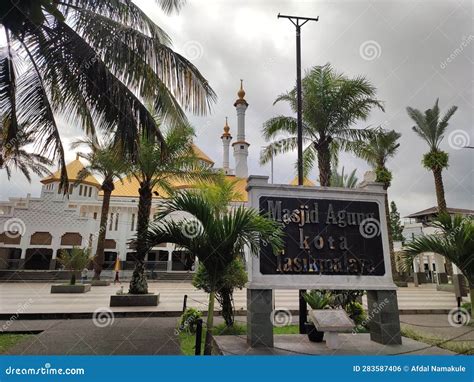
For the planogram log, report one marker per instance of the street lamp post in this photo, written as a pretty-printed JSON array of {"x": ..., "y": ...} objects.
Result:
[{"x": 298, "y": 22}]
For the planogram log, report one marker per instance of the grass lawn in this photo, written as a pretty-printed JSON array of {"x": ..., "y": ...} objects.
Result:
[
  {"x": 460, "y": 347},
  {"x": 9, "y": 340}
]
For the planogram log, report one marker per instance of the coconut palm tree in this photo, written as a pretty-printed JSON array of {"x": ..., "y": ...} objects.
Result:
[
  {"x": 332, "y": 103},
  {"x": 89, "y": 59},
  {"x": 431, "y": 128},
  {"x": 105, "y": 159},
  {"x": 344, "y": 180},
  {"x": 377, "y": 150},
  {"x": 155, "y": 168},
  {"x": 217, "y": 239},
  {"x": 455, "y": 242},
  {"x": 16, "y": 156}
]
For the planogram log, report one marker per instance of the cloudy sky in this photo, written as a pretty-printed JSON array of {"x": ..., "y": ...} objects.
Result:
[{"x": 412, "y": 51}]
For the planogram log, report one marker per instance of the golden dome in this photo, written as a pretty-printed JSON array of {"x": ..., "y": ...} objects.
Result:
[
  {"x": 241, "y": 95},
  {"x": 226, "y": 130},
  {"x": 241, "y": 92}
]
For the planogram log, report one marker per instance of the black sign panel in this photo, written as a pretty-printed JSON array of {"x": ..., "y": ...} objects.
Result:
[{"x": 327, "y": 237}]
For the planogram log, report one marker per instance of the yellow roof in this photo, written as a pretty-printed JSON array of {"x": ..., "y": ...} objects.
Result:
[
  {"x": 73, "y": 168},
  {"x": 129, "y": 188},
  {"x": 306, "y": 182},
  {"x": 201, "y": 155}
]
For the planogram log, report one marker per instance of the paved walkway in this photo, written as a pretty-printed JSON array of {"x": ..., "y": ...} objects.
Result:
[
  {"x": 132, "y": 336},
  {"x": 26, "y": 298}
]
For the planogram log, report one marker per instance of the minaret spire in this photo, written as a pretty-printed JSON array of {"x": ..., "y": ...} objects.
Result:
[
  {"x": 241, "y": 146},
  {"x": 226, "y": 138}
]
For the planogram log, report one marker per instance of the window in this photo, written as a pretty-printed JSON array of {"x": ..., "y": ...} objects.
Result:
[
  {"x": 90, "y": 192},
  {"x": 70, "y": 189},
  {"x": 111, "y": 221},
  {"x": 95, "y": 215},
  {"x": 80, "y": 190},
  {"x": 116, "y": 222},
  {"x": 132, "y": 228}
]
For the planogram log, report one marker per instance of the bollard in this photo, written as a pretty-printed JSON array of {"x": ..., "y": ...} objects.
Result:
[
  {"x": 185, "y": 300},
  {"x": 197, "y": 345}
]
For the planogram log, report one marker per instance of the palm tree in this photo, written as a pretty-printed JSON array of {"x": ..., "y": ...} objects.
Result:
[
  {"x": 74, "y": 260},
  {"x": 382, "y": 146},
  {"x": 455, "y": 242},
  {"x": 15, "y": 155},
  {"x": 105, "y": 159},
  {"x": 344, "y": 180},
  {"x": 332, "y": 103},
  {"x": 89, "y": 59},
  {"x": 219, "y": 239},
  {"x": 431, "y": 129},
  {"x": 155, "y": 168},
  {"x": 220, "y": 194}
]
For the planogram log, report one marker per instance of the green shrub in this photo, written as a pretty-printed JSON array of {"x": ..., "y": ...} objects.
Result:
[
  {"x": 188, "y": 320},
  {"x": 356, "y": 312},
  {"x": 317, "y": 299}
]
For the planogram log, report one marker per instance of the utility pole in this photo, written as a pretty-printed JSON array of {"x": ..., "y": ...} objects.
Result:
[{"x": 298, "y": 22}]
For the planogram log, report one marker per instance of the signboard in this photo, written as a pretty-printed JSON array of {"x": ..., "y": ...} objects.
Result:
[
  {"x": 335, "y": 238},
  {"x": 324, "y": 237}
]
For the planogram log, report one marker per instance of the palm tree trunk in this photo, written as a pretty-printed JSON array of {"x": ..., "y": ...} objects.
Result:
[
  {"x": 438, "y": 178},
  {"x": 324, "y": 164},
  {"x": 209, "y": 325},
  {"x": 107, "y": 187},
  {"x": 138, "y": 284},
  {"x": 73, "y": 278}
]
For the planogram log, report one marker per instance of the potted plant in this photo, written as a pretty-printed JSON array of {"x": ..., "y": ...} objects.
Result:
[
  {"x": 317, "y": 300},
  {"x": 74, "y": 261}
]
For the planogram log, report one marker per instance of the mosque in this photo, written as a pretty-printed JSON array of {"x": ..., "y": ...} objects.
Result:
[{"x": 33, "y": 230}]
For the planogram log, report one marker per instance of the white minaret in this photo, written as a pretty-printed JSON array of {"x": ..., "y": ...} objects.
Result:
[
  {"x": 226, "y": 138},
  {"x": 241, "y": 147}
]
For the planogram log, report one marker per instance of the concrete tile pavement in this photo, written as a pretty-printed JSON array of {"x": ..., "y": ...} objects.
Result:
[
  {"x": 27, "y": 298},
  {"x": 126, "y": 336}
]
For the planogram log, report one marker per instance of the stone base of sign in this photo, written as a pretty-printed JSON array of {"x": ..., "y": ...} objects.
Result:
[
  {"x": 259, "y": 312},
  {"x": 352, "y": 344},
  {"x": 383, "y": 317},
  {"x": 442, "y": 278}
]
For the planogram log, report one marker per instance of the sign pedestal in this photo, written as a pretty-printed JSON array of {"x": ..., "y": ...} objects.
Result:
[
  {"x": 259, "y": 312},
  {"x": 383, "y": 317}
]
